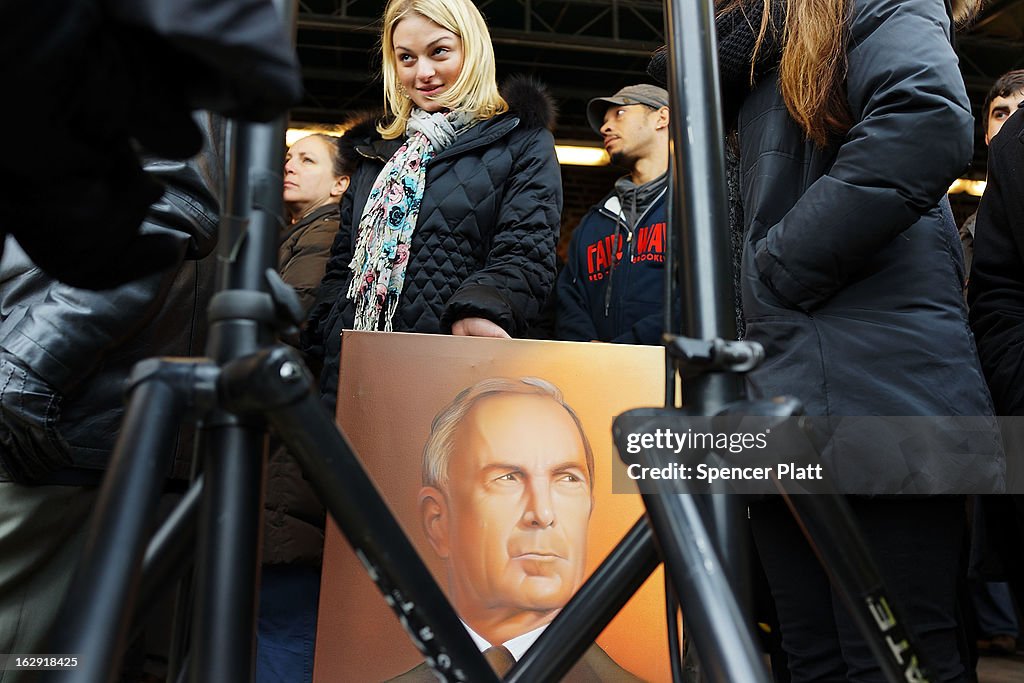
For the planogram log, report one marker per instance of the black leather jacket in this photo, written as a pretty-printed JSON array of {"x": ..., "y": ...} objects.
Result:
[{"x": 65, "y": 352}]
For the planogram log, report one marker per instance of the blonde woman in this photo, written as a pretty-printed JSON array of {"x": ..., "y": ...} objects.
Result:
[
  {"x": 852, "y": 120},
  {"x": 451, "y": 220}
]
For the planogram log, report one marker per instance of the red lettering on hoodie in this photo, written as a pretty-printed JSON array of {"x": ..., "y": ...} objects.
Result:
[{"x": 650, "y": 246}]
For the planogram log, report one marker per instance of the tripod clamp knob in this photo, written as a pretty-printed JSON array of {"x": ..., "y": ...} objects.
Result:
[
  {"x": 278, "y": 307},
  {"x": 694, "y": 357}
]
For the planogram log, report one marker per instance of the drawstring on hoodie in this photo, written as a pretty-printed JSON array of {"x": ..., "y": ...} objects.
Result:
[
  {"x": 642, "y": 195},
  {"x": 615, "y": 245}
]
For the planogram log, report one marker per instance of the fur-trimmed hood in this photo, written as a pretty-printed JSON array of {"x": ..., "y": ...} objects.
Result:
[
  {"x": 361, "y": 129},
  {"x": 529, "y": 99}
]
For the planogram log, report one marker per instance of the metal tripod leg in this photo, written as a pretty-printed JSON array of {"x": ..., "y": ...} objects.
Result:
[
  {"x": 830, "y": 528},
  {"x": 273, "y": 382},
  {"x": 243, "y": 318},
  {"x": 716, "y": 625},
  {"x": 169, "y": 555},
  {"x": 227, "y": 577},
  {"x": 96, "y": 616}
]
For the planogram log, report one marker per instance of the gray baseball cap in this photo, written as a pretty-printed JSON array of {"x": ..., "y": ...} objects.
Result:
[{"x": 651, "y": 95}]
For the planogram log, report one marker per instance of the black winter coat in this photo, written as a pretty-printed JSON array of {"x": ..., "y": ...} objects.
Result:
[
  {"x": 65, "y": 353},
  {"x": 996, "y": 289},
  {"x": 484, "y": 244},
  {"x": 852, "y": 265}
]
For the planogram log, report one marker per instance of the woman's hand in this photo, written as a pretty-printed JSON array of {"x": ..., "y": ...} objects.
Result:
[{"x": 478, "y": 327}]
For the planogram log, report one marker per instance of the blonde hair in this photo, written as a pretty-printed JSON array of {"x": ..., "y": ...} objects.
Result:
[
  {"x": 475, "y": 90},
  {"x": 812, "y": 69}
]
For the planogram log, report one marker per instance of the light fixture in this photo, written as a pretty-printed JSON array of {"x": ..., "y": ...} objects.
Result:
[
  {"x": 580, "y": 155},
  {"x": 575, "y": 155},
  {"x": 568, "y": 155},
  {"x": 293, "y": 135},
  {"x": 975, "y": 188}
]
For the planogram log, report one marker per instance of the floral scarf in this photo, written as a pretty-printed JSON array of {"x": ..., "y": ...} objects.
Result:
[{"x": 385, "y": 229}]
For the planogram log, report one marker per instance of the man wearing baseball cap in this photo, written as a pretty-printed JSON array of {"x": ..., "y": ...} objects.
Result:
[{"x": 612, "y": 286}]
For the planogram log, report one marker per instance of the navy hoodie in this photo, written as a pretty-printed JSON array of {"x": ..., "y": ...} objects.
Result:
[{"x": 612, "y": 286}]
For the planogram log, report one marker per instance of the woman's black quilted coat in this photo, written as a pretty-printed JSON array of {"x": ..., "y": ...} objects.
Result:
[{"x": 484, "y": 244}]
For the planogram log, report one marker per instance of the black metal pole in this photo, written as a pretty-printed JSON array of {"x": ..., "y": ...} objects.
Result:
[
  {"x": 96, "y": 614},
  {"x": 227, "y": 566},
  {"x": 699, "y": 212},
  {"x": 670, "y": 323},
  {"x": 729, "y": 528},
  {"x": 223, "y": 642},
  {"x": 169, "y": 554},
  {"x": 181, "y": 628},
  {"x": 169, "y": 561},
  {"x": 275, "y": 381},
  {"x": 717, "y": 627},
  {"x": 672, "y": 621},
  {"x": 699, "y": 220},
  {"x": 231, "y": 512}
]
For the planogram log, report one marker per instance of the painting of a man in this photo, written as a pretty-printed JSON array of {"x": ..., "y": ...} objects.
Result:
[{"x": 507, "y": 496}]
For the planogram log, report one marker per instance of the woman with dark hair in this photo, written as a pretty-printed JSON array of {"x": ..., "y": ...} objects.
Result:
[
  {"x": 316, "y": 175},
  {"x": 851, "y": 120},
  {"x": 452, "y": 217},
  {"x": 317, "y": 169}
]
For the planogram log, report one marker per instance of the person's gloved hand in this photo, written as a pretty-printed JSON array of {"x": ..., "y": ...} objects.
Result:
[{"x": 30, "y": 445}]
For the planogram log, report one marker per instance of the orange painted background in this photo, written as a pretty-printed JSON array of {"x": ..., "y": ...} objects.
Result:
[{"x": 392, "y": 385}]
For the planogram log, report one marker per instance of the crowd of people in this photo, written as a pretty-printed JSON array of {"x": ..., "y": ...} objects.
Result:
[{"x": 440, "y": 215}]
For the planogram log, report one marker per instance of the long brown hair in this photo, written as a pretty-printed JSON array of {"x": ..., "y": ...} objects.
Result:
[{"x": 812, "y": 70}]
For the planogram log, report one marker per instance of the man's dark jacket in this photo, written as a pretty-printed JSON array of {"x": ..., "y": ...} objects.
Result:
[
  {"x": 65, "y": 352},
  {"x": 484, "y": 244},
  {"x": 996, "y": 292},
  {"x": 613, "y": 285},
  {"x": 852, "y": 269}
]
